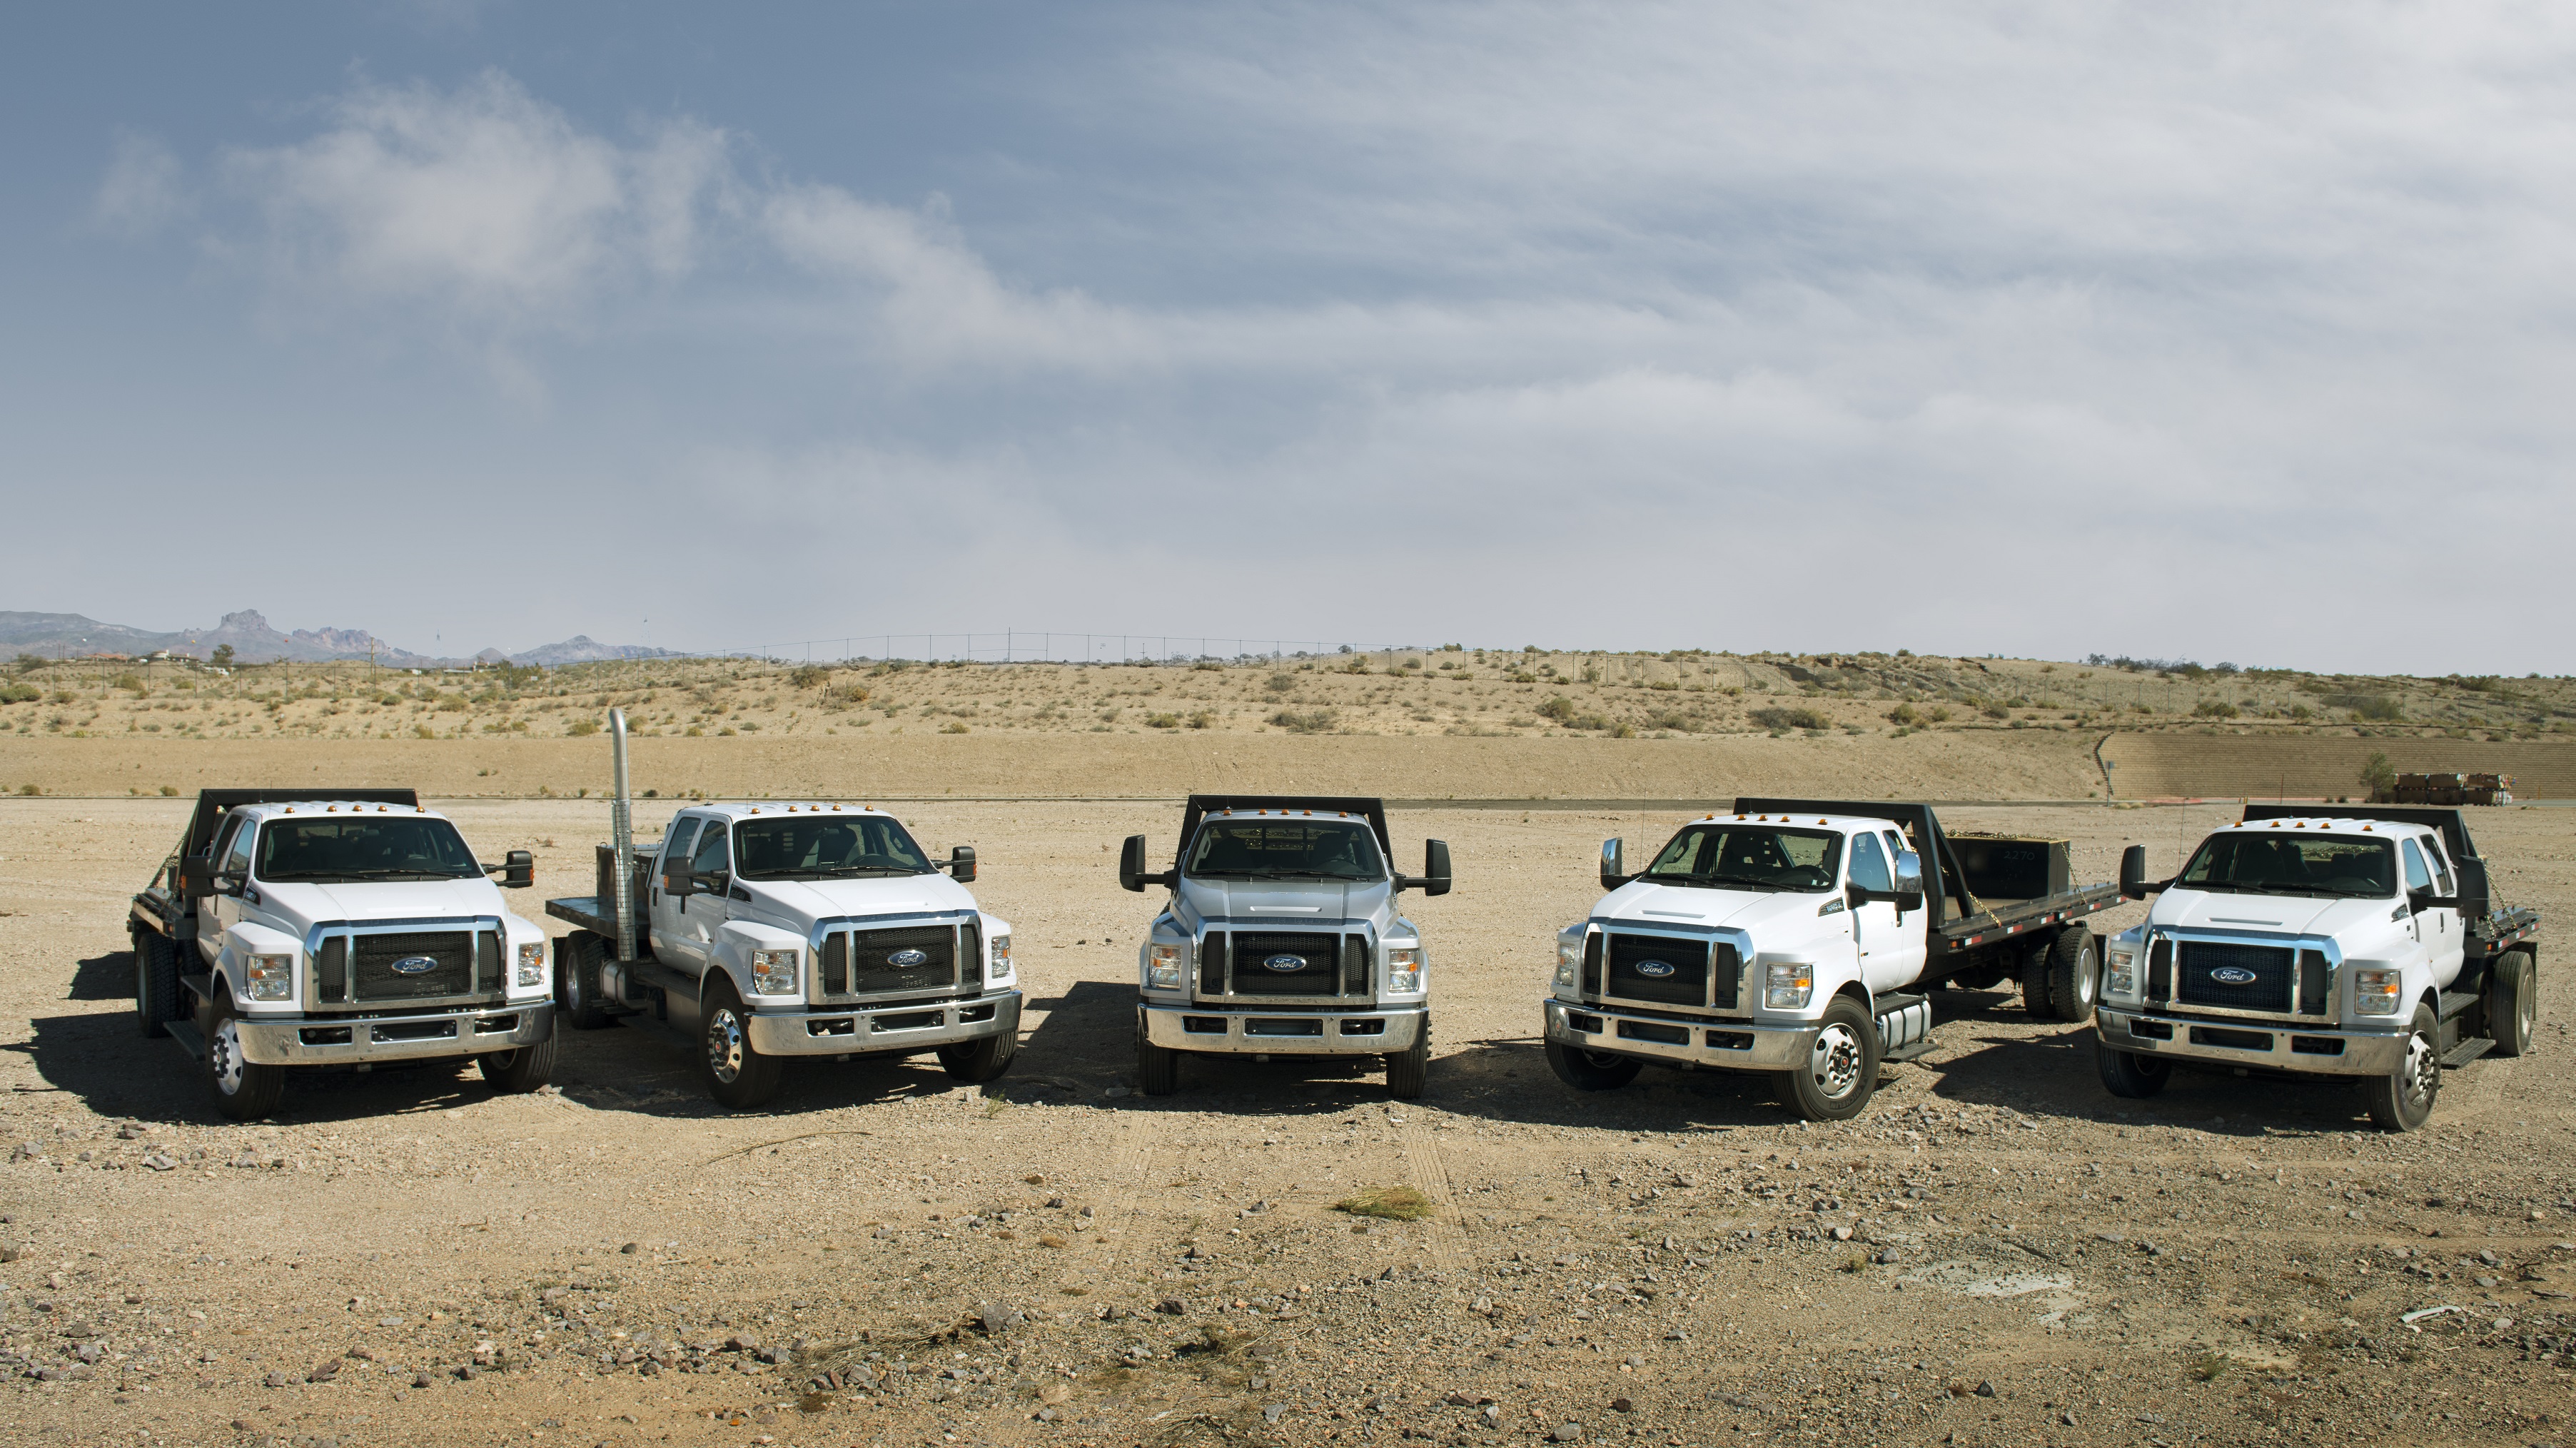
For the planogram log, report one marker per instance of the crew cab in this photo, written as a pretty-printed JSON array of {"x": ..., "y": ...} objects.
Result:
[
  {"x": 2340, "y": 940},
  {"x": 1281, "y": 937},
  {"x": 774, "y": 929},
  {"x": 1789, "y": 937},
  {"x": 337, "y": 928}
]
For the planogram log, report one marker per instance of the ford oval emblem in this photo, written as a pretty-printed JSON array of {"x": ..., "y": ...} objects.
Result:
[
  {"x": 1654, "y": 969},
  {"x": 1284, "y": 963},
  {"x": 413, "y": 965},
  {"x": 2232, "y": 975},
  {"x": 907, "y": 959}
]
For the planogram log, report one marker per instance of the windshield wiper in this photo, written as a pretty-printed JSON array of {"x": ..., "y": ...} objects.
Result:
[
  {"x": 355, "y": 877},
  {"x": 1755, "y": 881}
]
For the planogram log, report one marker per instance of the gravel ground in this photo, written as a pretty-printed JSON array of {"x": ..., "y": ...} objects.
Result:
[{"x": 1997, "y": 1252}]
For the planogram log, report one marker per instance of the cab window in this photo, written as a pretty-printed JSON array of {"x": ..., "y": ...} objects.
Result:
[
  {"x": 2417, "y": 878},
  {"x": 1869, "y": 867},
  {"x": 2441, "y": 866},
  {"x": 676, "y": 840},
  {"x": 712, "y": 856},
  {"x": 237, "y": 856}
]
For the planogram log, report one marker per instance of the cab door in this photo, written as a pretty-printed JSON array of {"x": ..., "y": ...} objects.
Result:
[
  {"x": 710, "y": 876},
  {"x": 2437, "y": 926},
  {"x": 669, "y": 887},
  {"x": 1886, "y": 962},
  {"x": 220, "y": 911}
]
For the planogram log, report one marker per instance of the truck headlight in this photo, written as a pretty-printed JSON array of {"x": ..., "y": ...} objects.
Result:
[
  {"x": 1569, "y": 959},
  {"x": 532, "y": 964},
  {"x": 2120, "y": 973},
  {"x": 773, "y": 972},
  {"x": 1788, "y": 984},
  {"x": 2374, "y": 992},
  {"x": 1163, "y": 965},
  {"x": 1404, "y": 971},
  {"x": 270, "y": 977},
  {"x": 1000, "y": 969}
]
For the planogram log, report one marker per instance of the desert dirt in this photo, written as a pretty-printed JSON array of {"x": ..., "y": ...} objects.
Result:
[{"x": 1996, "y": 1252}]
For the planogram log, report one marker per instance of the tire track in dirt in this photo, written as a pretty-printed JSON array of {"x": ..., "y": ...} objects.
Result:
[
  {"x": 1425, "y": 1163},
  {"x": 1131, "y": 1156}
]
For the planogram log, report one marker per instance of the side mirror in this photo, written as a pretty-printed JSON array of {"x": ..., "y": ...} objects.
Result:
[
  {"x": 2477, "y": 902},
  {"x": 228, "y": 885},
  {"x": 713, "y": 882},
  {"x": 961, "y": 863},
  {"x": 1434, "y": 879},
  {"x": 1909, "y": 881},
  {"x": 2133, "y": 874},
  {"x": 2424, "y": 899},
  {"x": 518, "y": 870},
  {"x": 1614, "y": 864},
  {"x": 195, "y": 879},
  {"x": 1131, "y": 864}
]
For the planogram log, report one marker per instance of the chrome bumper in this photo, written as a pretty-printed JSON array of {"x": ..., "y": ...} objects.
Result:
[
  {"x": 1722, "y": 1045},
  {"x": 1251, "y": 1031},
  {"x": 896, "y": 1028},
  {"x": 338, "y": 1040},
  {"x": 2313, "y": 1050}
]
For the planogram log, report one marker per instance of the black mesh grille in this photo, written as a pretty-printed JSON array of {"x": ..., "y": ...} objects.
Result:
[
  {"x": 331, "y": 969},
  {"x": 1286, "y": 965},
  {"x": 487, "y": 961},
  {"x": 1658, "y": 968},
  {"x": 970, "y": 949},
  {"x": 874, "y": 968},
  {"x": 835, "y": 968},
  {"x": 2160, "y": 971},
  {"x": 2206, "y": 971},
  {"x": 2313, "y": 983},
  {"x": 1592, "y": 963},
  {"x": 1730, "y": 973},
  {"x": 450, "y": 971},
  {"x": 1355, "y": 965},
  {"x": 1212, "y": 961}
]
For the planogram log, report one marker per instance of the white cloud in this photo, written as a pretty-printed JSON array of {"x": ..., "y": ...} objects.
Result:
[
  {"x": 143, "y": 190},
  {"x": 484, "y": 200}
]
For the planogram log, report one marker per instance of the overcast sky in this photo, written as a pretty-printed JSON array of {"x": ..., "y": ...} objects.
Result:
[{"x": 2221, "y": 331}]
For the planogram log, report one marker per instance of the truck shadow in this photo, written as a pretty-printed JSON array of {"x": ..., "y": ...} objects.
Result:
[
  {"x": 2055, "y": 1077},
  {"x": 108, "y": 977},
  {"x": 117, "y": 1074}
]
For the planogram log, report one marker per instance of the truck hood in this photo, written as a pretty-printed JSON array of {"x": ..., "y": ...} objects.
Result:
[
  {"x": 1783, "y": 913},
  {"x": 2223, "y": 912},
  {"x": 1284, "y": 904},
  {"x": 800, "y": 903},
  {"x": 387, "y": 900}
]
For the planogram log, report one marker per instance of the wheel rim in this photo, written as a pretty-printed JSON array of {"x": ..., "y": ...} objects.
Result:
[
  {"x": 223, "y": 1054},
  {"x": 725, "y": 1044},
  {"x": 2525, "y": 1009},
  {"x": 1599, "y": 1062},
  {"x": 502, "y": 1060},
  {"x": 572, "y": 987},
  {"x": 2415, "y": 1078},
  {"x": 2087, "y": 981},
  {"x": 1835, "y": 1062}
]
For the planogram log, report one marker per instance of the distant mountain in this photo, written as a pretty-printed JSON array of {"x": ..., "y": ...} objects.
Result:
[{"x": 71, "y": 635}]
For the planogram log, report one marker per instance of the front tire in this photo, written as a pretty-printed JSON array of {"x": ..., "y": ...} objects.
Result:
[
  {"x": 1158, "y": 1068},
  {"x": 1841, "y": 1070},
  {"x": 518, "y": 1072},
  {"x": 156, "y": 984},
  {"x": 1590, "y": 1070},
  {"x": 2074, "y": 975},
  {"x": 2403, "y": 1099},
  {"x": 2513, "y": 1002},
  {"x": 976, "y": 1062},
  {"x": 577, "y": 961},
  {"x": 738, "y": 1076},
  {"x": 1408, "y": 1071},
  {"x": 243, "y": 1090},
  {"x": 2128, "y": 1074}
]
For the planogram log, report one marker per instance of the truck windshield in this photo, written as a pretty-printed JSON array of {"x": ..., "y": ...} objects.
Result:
[
  {"x": 2283, "y": 864},
  {"x": 363, "y": 847},
  {"x": 1280, "y": 849},
  {"x": 1738, "y": 857},
  {"x": 819, "y": 847}
]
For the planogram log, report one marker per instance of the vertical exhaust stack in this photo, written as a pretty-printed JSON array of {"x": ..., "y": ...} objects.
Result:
[{"x": 621, "y": 827}]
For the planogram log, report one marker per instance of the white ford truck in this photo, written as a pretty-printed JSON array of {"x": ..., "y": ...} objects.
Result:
[
  {"x": 337, "y": 928},
  {"x": 1281, "y": 937},
  {"x": 775, "y": 929},
  {"x": 2359, "y": 941},
  {"x": 1788, "y": 937}
]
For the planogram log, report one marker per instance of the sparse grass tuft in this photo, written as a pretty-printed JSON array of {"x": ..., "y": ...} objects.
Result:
[
  {"x": 2209, "y": 1367},
  {"x": 1396, "y": 1204}
]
